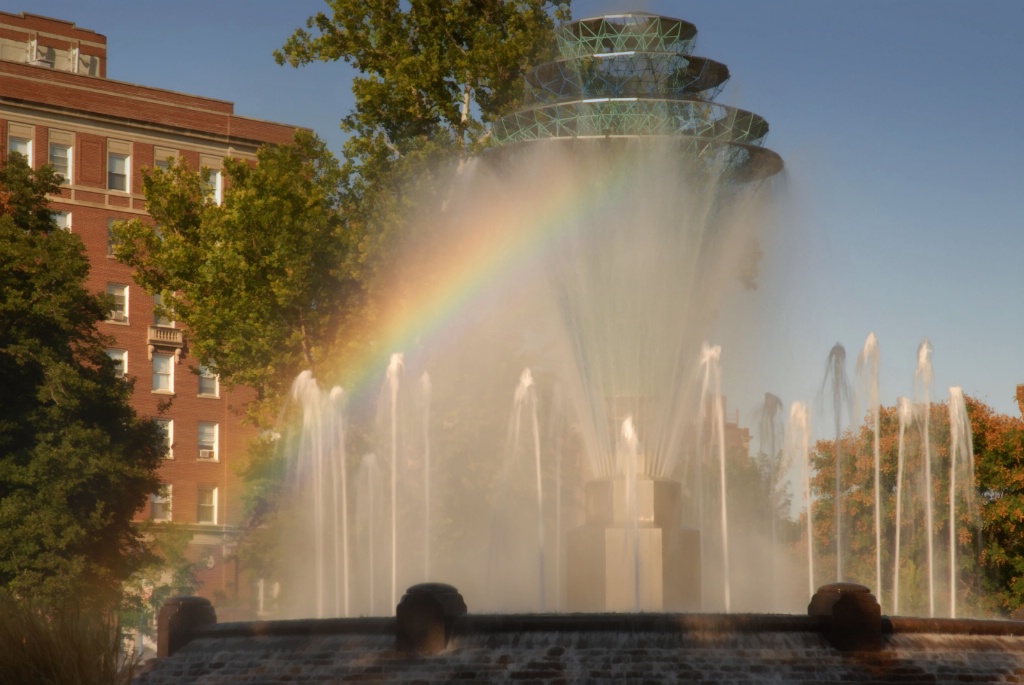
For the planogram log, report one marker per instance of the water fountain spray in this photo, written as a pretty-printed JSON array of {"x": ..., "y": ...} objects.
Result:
[
  {"x": 961, "y": 462},
  {"x": 526, "y": 398},
  {"x": 771, "y": 435},
  {"x": 425, "y": 391},
  {"x": 835, "y": 371},
  {"x": 867, "y": 371},
  {"x": 393, "y": 374},
  {"x": 711, "y": 400},
  {"x": 906, "y": 416},
  {"x": 799, "y": 441},
  {"x": 923, "y": 383}
]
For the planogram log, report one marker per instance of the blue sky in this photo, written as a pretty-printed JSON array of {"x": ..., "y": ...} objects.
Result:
[{"x": 902, "y": 207}]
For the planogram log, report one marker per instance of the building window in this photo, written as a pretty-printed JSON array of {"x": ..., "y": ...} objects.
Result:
[
  {"x": 208, "y": 440},
  {"x": 167, "y": 427},
  {"x": 160, "y": 504},
  {"x": 119, "y": 313},
  {"x": 23, "y": 146},
  {"x": 213, "y": 178},
  {"x": 207, "y": 505},
  {"x": 163, "y": 372},
  {"x": 19, "y": 139},
  {"x": 63, "y": 220},
  {"x": 214, "y": 187},
  {"x": 120, "y": 358},
  {"x": 209, "y": 384},
  {"x": 118, "y": 167},
  {"x": 60, "y": 159},
  {"x": 158, "y": 307},
  {"x": 163, "y": 156}
]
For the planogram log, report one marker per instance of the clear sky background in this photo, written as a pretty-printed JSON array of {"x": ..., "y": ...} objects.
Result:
[{"x": 902, "y": 206}]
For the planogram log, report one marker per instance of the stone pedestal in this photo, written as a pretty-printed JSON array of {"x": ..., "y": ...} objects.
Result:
[
  {"x": 620, "y": 562},
  {"x": 854, "y": 616}
]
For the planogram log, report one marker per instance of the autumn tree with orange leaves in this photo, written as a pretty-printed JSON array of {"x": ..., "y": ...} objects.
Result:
[{"x": 989, "y": 541}]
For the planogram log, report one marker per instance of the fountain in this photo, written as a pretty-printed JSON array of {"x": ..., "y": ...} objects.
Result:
[
  {"x": 560, "y": 305},
  {"x": 607, "y": 251}
]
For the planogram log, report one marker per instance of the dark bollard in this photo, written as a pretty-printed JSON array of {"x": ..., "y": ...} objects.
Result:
[
  {"x": 856, "y": 617},
  {"x": 425, "y": 616},
  {"x": 178, "y": 620}
]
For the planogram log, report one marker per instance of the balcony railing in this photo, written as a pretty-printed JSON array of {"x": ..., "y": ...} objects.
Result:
[{"x": 166, "y": 337}]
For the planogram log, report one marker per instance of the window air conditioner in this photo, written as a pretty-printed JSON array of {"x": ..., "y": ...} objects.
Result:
[
  {"x": 118, "y": 316},
  {"x": 206, "y": 454}
]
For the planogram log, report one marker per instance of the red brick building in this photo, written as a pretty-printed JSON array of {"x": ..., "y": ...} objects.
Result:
[{"x": 58, "y": 107}]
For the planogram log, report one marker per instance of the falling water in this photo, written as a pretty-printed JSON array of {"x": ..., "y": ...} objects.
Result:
[
  {"x": 867, "y": 371},
  {"x": 906, "y": 415},
  {"x": 340, "y": 483},
  {"x": 526, "y": 397},
  {"x": 368, "y": 482},
  {"x": 630, "y": 454},
  {"x": 771, "y": 433},
  {"x": 393, "y": 375},
  {"x": 711, "y": 397},
  {"x": 425, "y": 390},
  {"x": 923, "y": 383},
  {"x": 799, "y": 439},
  {"x": 961, "y": 462},
  {"x": 318, "y": 463},
  {"x": 835, "y": 370}
]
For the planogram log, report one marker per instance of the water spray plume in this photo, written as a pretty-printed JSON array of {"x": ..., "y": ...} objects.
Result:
[
  {"x": 393, "y": 376},
  {"x": 961, "y": 480},
  {"x": 799, "y": 438},
  {"x": 906, "y": 418},
  {"x": 835, "y": 379},
  {"x": 867, "y": 372},
  {"x": 923, "y": 382}
]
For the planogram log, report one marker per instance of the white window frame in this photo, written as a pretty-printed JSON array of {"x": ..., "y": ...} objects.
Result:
[
  {"x": 63, "y": 220},
  {"x": 158, "y": 301},
  {"x": 162, "y": 157},
  {"x": 211, "y": 508},
  {"x": 213, "y": 177},
  {"x": 158, "y": 359},
  {"x": 215, "y": 187},
  {"x": 68, "y": 165},
  {"x": 205, "y": 373},
  {"x": 165, "y": 498},
  {"x": 167, "y": 425},
  {"x": 19, "y": 135},
  {"x": 122, "y": 151},
  {"x": 114, "y": 178},
  {"x": 118, "y": 315},
  {"x": 122, "y": 357},
  {"x": 208, "y": 448}
]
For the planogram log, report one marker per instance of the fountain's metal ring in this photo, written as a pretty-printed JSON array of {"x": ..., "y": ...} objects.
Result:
[
  {"x": 633, "y": 31},
  {"x": 663, "y": 75}
]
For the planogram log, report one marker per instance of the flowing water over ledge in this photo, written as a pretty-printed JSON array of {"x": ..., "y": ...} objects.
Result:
[{"x": 641, "y": 648}]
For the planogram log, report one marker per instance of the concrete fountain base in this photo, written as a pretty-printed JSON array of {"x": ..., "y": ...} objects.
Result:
[
  {"x": 841, "y": 639},
  {"x": 618, "y": 561}
]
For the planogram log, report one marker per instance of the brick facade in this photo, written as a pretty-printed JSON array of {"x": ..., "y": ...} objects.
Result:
[{"x": 53, "y": 88}]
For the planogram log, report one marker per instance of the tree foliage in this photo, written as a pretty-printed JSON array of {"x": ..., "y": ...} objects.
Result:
[
  {"x": 264, "y": 280},
  {"x": 990, "y": 546},
  {"x": 76, "y": 462},
  {"x": 432, "y": 75}
]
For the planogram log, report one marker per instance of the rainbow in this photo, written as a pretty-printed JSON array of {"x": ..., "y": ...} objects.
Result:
[{"x": 512, "y": 236}]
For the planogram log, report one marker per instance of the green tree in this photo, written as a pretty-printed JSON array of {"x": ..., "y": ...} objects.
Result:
[
  {"x": 432, "y": 75},
  {"x": 999, "y": 455},
  {"x": 76, "y": 462},
  {"x": 991, "y": 549},
  {"x": 168, "y": 573},
  {"x": 263, "y": 281}
]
